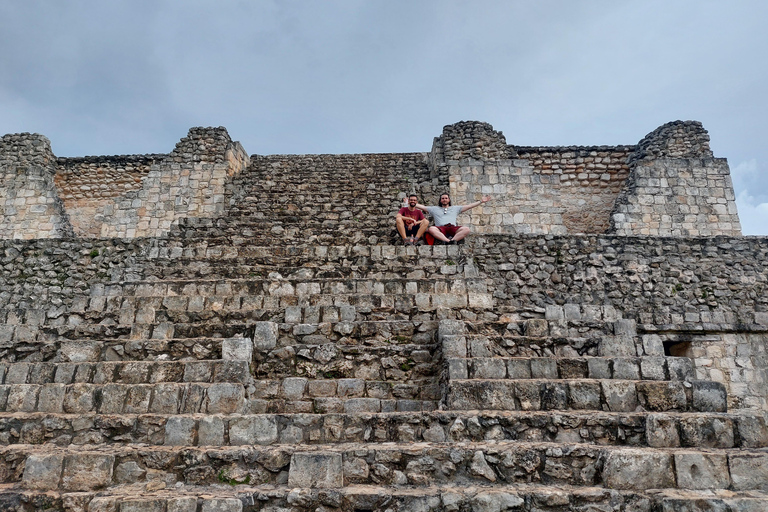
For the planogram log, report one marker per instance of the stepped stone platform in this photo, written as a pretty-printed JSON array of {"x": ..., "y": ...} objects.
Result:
[{"x": 225, "y": 333}]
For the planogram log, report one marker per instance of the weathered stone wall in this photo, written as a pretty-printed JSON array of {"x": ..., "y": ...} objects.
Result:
[
  {"x": 705, "y": 296},
  {"x": 29, "y": 204},
  {"x": 676, "y": 187},
  {"x": 86, "y": 185},
  {"x": 188, "y": 183},
  {"x": 120, "y": 196},
  {"x": 669, "y": 184},
  {"x": 589, "y": 180},
  {"x": 536, "y": 190},
  {"x": 542, "y": 190},
  {"x": 467, "y": 140}
]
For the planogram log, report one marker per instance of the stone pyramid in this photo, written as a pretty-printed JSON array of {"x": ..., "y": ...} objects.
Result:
[{"x": 205, "y": 331}]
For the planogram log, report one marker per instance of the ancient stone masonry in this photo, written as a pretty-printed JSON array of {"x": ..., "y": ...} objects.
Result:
[
  {"x": 87, "y": 185},
  {"x": 31, "y": 207},
  {"x": 669, "y": 184},
  {"x": 265, "y": 346},
  {"x": 188, "y": 183},
  {"x": 676, "y": 187},
  {"x": 469, "y": 140}
]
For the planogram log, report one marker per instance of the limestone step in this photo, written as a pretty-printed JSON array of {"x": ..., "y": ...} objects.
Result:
[
  {"x": 405, "y": 330},
  {"x": 245, "y": 497},
  {"x": 143, "y": 303},
  {"x": 339, "y": 405},
  {"x": 586, "y": 394},
  {"x": 124, "y": 372},
  {"x": 313, "y": 308},
  {"x": 309, "y": 309},
  {"x": 176, "y": 336},
  {"x": 299, "y": 394},
  {"x": 155, "y": 302},
  {"x": 305, "y": 256},
  {"x": 743, "y": 429},
  {"x": 262, "y": 227},
  {"x": 279, "y": 286},
  {"x": 397, "y": 362},
  {"x": 240, "y": 267},
  {"x": 233, "y": 257},
  {"x": 80, "y": 350},
  {"x": 533, "y": 346},
  {"x": 417, "y": 464},
  {"x": 512, "y": 327},
  {"x": 290, "y": 395},
  {"x": 263, "y": 232},
  {"x": 536, "y": 319},
  {"x": 163, "y": 398},
  {"x": 626, "y": 368},
  {"x": 560, "y": 338}
]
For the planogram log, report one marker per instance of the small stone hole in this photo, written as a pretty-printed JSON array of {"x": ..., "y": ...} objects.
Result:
[{"x": 678, "y": 349}]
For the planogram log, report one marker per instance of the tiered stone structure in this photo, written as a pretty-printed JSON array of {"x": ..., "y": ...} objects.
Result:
[{"x": 276, "y": 351}]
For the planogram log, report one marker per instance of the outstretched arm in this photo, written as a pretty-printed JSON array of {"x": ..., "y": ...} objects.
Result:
[{"x": 476, "y": 203}]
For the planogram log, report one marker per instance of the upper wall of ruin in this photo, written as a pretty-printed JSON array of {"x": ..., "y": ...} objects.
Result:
[
  {"x": 669, "y": 184},
  {"x": 123, "y": 196}
]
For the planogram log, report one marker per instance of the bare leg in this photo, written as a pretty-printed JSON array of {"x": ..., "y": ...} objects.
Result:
[
  {"x": 437, "y": 234},
  {"x": 400, "y": 223},
  {"x": 461, "y": 233},
  {"x": 423, "y": 226}
]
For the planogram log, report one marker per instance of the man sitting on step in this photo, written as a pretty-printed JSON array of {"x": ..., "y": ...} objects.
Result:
[
  {"x": 410, "y": 222},
  {"x": 445, "y": 229}
]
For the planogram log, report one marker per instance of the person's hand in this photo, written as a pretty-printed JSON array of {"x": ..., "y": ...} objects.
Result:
[{"x": 485, "y": 199}]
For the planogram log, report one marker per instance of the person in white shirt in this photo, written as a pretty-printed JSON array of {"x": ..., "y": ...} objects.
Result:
[{"x": 446, "y": 228}]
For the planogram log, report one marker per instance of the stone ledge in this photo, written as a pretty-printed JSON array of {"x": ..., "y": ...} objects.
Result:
[
  {"x": 702, "y": 328},
  {"x": 490, "y": 498},
  {"x": 659, "y": 430},
  {"x": 421, "y": 464}
]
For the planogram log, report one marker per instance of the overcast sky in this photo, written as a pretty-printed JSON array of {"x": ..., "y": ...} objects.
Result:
[{"x": 323, "y": 76}]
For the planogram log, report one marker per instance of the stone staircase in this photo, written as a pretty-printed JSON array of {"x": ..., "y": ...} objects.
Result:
[
  {"x": 320, "y": 199},
  {"x": 212, "y": 374}
]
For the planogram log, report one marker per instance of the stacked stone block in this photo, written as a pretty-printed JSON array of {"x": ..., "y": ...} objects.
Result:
[
  {"x": 706, "y": 313},
  {"x": 469, "y": 140},
  {"x": 31, "y": 207},
  {"x": 534, "y": 190},
  {"x": 278, "y": 354},
  {"x": 669, "y": 184},
  {"x": 676, "y": 187},
  {"x": 590, "y": 179},
  {"x": 219, "y": 375},
  {"x": 87, "y": 184},
  {"x": 190, "y": 182},
  {"x": 326, "y": 199}
]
